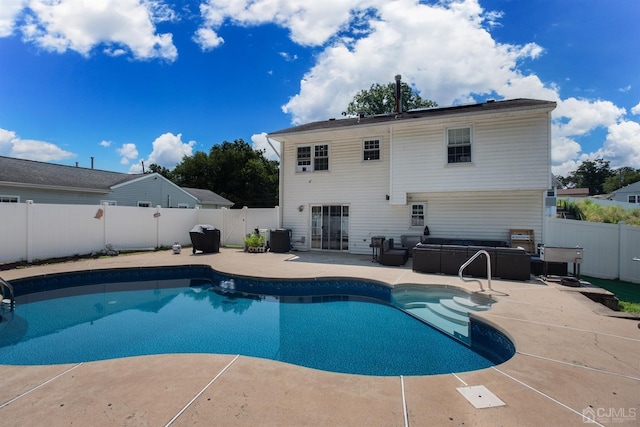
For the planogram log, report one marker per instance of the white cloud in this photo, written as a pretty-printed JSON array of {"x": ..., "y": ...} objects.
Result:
[
  {"x": 207, "y": 39},
  {"x": 310, "y": 23},
  {"x": 585, "y": 115},
  {"x": 8, "y": 14},
  {"x": 127, "y": 152},
  {"x": 259, "y": 142},
  {"x": 288, "y": 57},
  {"x": 6, "y": 141},
  {"x": 622, "y": 145},
  {"x": 81, "y": 25},
  {"x": 168, "y": 151},
  {"x": 636, "y": 110},
  {"x": 438, "y": 48},
  {"x": 13, "y": 146},
  {"x": 105, "y": 143}
]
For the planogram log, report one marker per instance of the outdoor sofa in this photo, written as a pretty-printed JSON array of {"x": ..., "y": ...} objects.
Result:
[{"x": 446, "y": 256}]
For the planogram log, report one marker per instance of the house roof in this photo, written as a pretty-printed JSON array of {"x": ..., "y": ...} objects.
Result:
[
  {"x": 577, "y": 192},
  {"x": 32, "y": 173},
  {"x": 208, "y": 197},
  {"x": 489, "y": 106},
  {"x": 41, "y": 174}
]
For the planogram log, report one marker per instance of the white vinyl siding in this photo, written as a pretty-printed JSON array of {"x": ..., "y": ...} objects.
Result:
[
  {"x": 508, "y": 154},
  {"x": 484, "y": 215}
]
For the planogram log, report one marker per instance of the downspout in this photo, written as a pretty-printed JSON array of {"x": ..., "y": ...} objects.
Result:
[{"x": 272, "y": 147}]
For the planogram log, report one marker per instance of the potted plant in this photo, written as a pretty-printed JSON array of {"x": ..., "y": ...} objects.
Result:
[{"x": 254, "y": 242}]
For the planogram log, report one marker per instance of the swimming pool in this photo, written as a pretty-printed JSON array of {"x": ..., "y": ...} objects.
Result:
[{"x": 336, "y": 325}]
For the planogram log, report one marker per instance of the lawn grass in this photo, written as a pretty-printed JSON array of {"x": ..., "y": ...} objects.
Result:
[
  {"x": 629, "y": 307},
  {"x": 628, "y": 293}
]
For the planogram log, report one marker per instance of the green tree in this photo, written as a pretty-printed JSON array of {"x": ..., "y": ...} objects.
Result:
[
  {"x": 155, "y": 168},
  {"x": 591, "y": 174},
  {"x": 621, "y": 178},
  {"x": 233, "y": 170},
  {"x": 381, "y": 99}
]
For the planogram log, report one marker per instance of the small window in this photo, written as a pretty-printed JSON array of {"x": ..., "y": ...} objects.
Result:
[
  {"x": 183, "y": 206},
  {"x": 321, "y": 158},
  {"x": 418, "y": 214},
  {"x": 459, "y": 145},
  {"x": 144, "y": 204},
  {"x": 371, "y": 150},
  {"x": 311, "y": 158},
  {"x": 633, "y": 199},
  {"x": 9, "y": 199},
  {"x": 109, "y": 202}
]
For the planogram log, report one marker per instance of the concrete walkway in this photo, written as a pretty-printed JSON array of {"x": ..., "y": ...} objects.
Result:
[{"x": 572, "y": 359}]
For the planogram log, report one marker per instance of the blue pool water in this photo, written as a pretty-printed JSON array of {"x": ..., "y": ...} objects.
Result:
[{"x": 351, "y": 334}]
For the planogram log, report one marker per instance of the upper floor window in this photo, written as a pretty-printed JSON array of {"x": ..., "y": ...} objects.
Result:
[
  {"x": 312, "y": 158},
  {"x": 459, "y": 145},
  {"x": 109, "y": 202},
  {"x": 144, "y": 204},
  {"x": 371, "y": 149},
  {"x": 418, "y": 214},
  {"x": 321, "y": 157},
  {"x": 9, "y": 199},
  {"x": 183, "y": 206},
  {"x": 633, "y": 198}
]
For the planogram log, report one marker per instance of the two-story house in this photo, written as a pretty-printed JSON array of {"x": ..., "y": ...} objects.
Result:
[{"x": 468, "y": 171}]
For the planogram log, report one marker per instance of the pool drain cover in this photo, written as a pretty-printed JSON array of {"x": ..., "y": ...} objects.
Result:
[{"x": 480, "y": 396}]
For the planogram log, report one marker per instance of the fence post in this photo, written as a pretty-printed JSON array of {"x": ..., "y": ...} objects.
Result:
[
  {"x": 29, "y": 236},
  {"x": 157, "y": 217},
  {"x": 621, "y": 250}
]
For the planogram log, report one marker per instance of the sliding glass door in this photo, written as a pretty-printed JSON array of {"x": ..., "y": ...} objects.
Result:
[{"x": 330, "y": 227}]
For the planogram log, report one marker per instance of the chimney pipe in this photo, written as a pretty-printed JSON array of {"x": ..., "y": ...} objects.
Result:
[
  {"x": 91, "y": 162},
  {"x": 398, "y": 94}
]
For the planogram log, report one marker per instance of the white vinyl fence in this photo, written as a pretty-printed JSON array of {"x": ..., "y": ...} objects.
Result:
[
  {"x": 30, "y": 231},
  {"x": 609, "y": 249}
]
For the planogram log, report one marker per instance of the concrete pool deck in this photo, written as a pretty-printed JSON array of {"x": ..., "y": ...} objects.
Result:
[{"x": 573, "y": 358}]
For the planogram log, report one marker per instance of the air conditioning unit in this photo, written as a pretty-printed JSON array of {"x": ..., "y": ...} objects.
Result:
[{"x": 302, "y": 168}]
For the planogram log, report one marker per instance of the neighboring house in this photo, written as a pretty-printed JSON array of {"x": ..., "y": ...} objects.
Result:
[
  {"x": 628, "y": 194},
  {"x": 22, "y": 180},
  {"x": 469, "y": 171},
  {"x": 573, "y": 192}
]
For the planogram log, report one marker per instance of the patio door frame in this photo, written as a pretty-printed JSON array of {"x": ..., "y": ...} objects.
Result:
[{"x": 330, "y": 227}]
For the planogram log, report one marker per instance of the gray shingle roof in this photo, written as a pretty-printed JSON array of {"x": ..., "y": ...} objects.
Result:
[
  {"x": 208, "y": 196},
  {"x": 490, "y": 106},
  {"x": 36, "y": 173}
]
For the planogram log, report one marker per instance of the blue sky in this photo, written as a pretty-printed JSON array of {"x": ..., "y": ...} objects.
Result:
[{"x": 132, "y": 81}]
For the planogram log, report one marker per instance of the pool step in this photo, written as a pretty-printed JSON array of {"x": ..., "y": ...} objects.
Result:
[{"x": 450, "y": 315}]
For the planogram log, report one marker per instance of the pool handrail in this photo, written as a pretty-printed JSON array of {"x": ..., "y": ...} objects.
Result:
[
  {"x": 12, "y": 300},
  {"x": 469, "y": 261}
]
